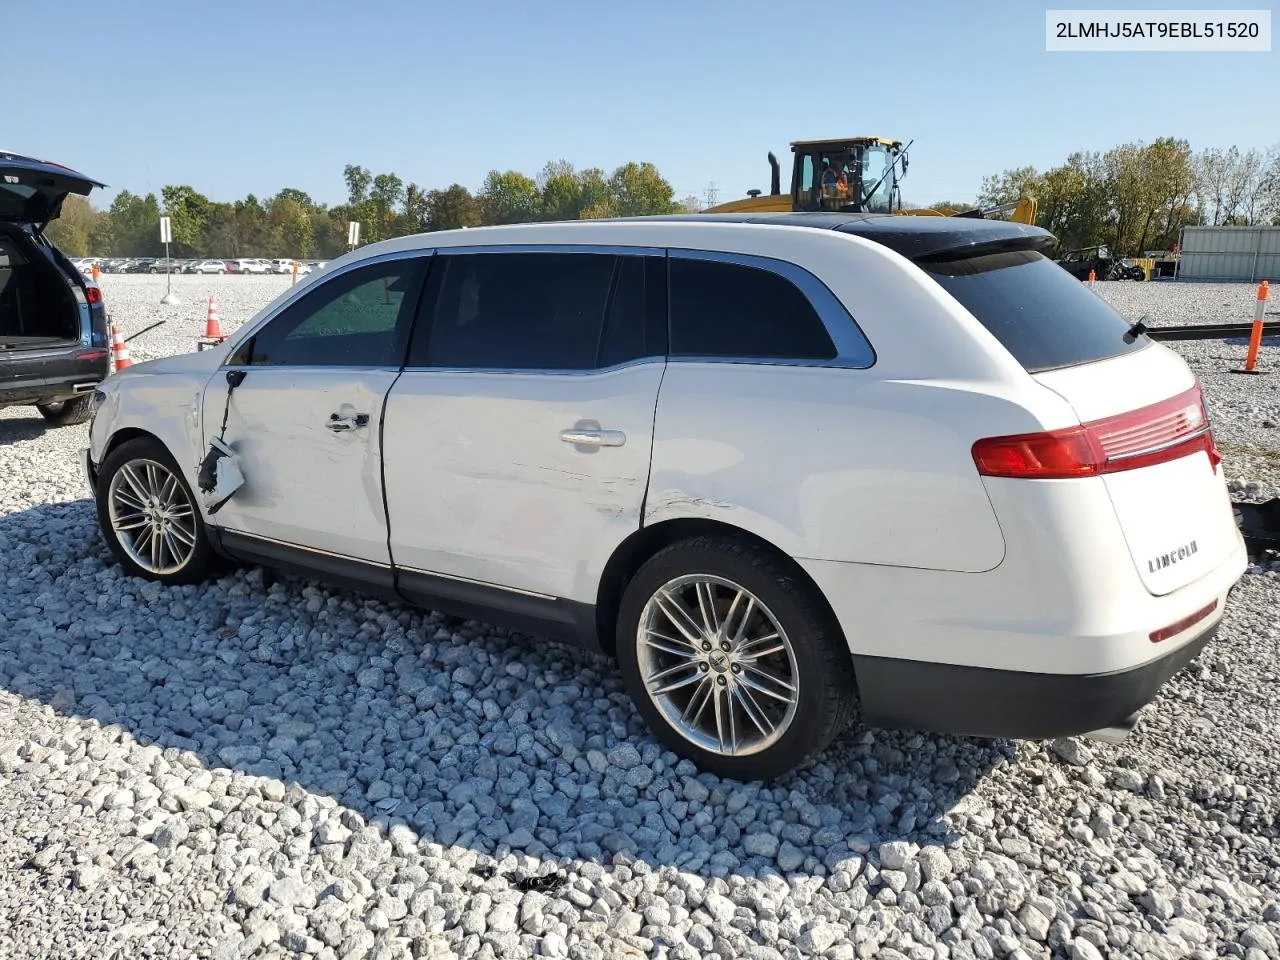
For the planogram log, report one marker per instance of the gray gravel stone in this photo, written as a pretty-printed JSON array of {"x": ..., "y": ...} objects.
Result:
[
  {"x": 760, "y": 845},
  {"x": 1072, "y": 751},
  {"x": 1259, "y": 937},
  {"x": 816, "y": 938},
  {"x": 1082, "y": 949},
  {"x": 896, "y": 855}
]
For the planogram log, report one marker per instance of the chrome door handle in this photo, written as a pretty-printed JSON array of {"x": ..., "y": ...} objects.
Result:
[
  {"x": 338, "y": 423},
  {"x": 594, "y": 438}
]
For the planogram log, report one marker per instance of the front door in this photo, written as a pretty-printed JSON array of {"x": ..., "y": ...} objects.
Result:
[
  {"x": 305, "y": 422},
  {"x": 518, "y": 439}
]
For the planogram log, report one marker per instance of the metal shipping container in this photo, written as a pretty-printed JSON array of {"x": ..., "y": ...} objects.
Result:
[{"x": 1229, "y": 253}]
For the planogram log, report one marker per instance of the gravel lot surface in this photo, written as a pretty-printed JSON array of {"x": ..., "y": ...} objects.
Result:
[{"x": 234, "y": 771}]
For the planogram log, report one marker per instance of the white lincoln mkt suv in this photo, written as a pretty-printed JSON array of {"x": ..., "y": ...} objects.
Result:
[{"x": 784, "y": 468}]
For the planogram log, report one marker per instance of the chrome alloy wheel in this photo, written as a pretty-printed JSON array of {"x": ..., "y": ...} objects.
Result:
[
  {"x": 151, "y": 516},
  {"x": 717, "y": 664}
]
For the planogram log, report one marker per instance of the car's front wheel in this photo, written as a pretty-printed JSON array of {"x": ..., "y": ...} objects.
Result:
[
  {"x": 149, "y": 516},
  {"x": 733, "y": 660},
  {"x": 66, "y": 413}
]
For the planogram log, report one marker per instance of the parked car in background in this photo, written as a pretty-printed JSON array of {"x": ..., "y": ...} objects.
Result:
[
  {"x": 781, "y": 469},
  {"x": 53, "y": 328},
  {"x": 285, "y": 265},
  {"x": 249, "y": 266},
  {"x": 208, "y": 266}
]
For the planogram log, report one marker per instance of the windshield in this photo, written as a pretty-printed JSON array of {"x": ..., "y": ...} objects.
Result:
[{"x": 875, "y": 163}]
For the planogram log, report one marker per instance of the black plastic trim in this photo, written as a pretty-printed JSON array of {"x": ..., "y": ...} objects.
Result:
[
  {"x": 557, "y": 619},
  {"x": 565, "y": 620},
  {"x": 982, "y": 702},
  {"x": 344, "y": 572}
]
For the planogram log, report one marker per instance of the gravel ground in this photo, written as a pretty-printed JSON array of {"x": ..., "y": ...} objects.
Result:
[{"x": 236, "y": 771}]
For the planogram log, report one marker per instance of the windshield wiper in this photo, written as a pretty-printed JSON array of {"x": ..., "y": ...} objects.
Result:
[{"x": 1137, "y": 330}]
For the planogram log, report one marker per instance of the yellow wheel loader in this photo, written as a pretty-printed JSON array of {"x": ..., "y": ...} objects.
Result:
[{"x": 853, "y": 175}]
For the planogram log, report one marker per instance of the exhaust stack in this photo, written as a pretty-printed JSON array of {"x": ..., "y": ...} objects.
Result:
[{"x": 775, "y": 178}]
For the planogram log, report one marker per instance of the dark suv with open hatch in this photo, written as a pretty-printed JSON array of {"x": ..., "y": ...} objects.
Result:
[{"x": 53, "y": 326}]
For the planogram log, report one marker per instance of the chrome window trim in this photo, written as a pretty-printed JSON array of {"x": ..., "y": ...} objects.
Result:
[
  {"x": 853, "y": 348},
  {"x": 319, "y": 368},
  {"x": 516, "y": 371},
  {"x": 620, "y": 250},
  {"x": 237, "y": 339}
]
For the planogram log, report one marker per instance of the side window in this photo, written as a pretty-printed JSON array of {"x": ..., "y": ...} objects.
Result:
[
  {"x": 359, "y": 318},
  {"x": 806, "y": 185},
  {"x": 729, "y": 310},
  {"x": 515, "y": 311},
  {"x": 635, "y": 323}
]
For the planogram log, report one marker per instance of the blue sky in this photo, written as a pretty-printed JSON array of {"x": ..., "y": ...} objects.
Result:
[{"x": 243, "y": 96}]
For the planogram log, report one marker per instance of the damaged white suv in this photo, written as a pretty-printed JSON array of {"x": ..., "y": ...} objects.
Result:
[{"x": 785, "y": 468}]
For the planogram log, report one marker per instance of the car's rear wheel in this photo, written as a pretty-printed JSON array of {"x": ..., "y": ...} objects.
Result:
[
  {"x": 149, "y": 516},
  {"x": 733, "y": 660},
  {"x": 66, "y": 413}
]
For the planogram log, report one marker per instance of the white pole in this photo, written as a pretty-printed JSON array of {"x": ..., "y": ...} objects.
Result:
[{"x": 165, "y": 237}]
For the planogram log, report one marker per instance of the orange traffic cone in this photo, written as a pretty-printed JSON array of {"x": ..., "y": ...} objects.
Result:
[
  {"x": 1092, "y": 276},
  {"x": 212, "y": 326},
  {"x": 95, "y": 273},
  {"x": 119, "y": 350}
]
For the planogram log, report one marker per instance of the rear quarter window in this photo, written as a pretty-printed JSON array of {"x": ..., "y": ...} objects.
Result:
[{"x": 1044, "y": 317}]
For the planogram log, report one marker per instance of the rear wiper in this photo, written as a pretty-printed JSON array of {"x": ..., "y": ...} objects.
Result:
[{"x": 1137, "y": 330}]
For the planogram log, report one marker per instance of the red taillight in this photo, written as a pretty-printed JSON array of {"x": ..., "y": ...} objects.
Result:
[
  {"x": 1173, "y": 629},
  {"x": 85, "y": 356},
  {"x": 1054, "y": 453},
  {"x": 93, "y": 294},
  {"x": 1155, "y": 434}
]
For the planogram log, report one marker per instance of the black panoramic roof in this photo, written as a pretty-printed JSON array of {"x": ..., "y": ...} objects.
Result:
[{"x": 915, "y": 237}]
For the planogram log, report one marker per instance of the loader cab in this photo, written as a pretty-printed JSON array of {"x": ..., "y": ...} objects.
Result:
[{"x": 858, "y": 175}]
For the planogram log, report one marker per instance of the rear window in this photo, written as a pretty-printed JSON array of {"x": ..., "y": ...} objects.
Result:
[{"x": 1042, "y": 315}]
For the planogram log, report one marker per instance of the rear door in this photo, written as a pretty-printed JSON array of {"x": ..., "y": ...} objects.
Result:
[
  {"x": 1169, "y": 494},
  {"x": 518, "y": 439}
]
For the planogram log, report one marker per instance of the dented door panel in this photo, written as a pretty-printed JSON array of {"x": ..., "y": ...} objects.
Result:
[{"x": 308, "y": 440}]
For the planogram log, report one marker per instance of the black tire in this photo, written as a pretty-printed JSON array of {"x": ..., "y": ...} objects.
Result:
[
  {"x": 153, "y": 270},
  {"x": 202, "y": 563},
  {"x": 826, "y": 692},
  {"x": 66, "y": 413}
]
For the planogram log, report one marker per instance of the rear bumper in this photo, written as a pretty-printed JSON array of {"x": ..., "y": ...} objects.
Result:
[
  {"x": 49, "y": 379},
  {"x": 983, "y": 702}
]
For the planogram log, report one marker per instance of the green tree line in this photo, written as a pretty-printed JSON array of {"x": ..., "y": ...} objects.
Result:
[
  {"x": 1138, "y": 196},
  {"x": 1133, "y": 197},
  {"x": 292, "y": 224}
]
